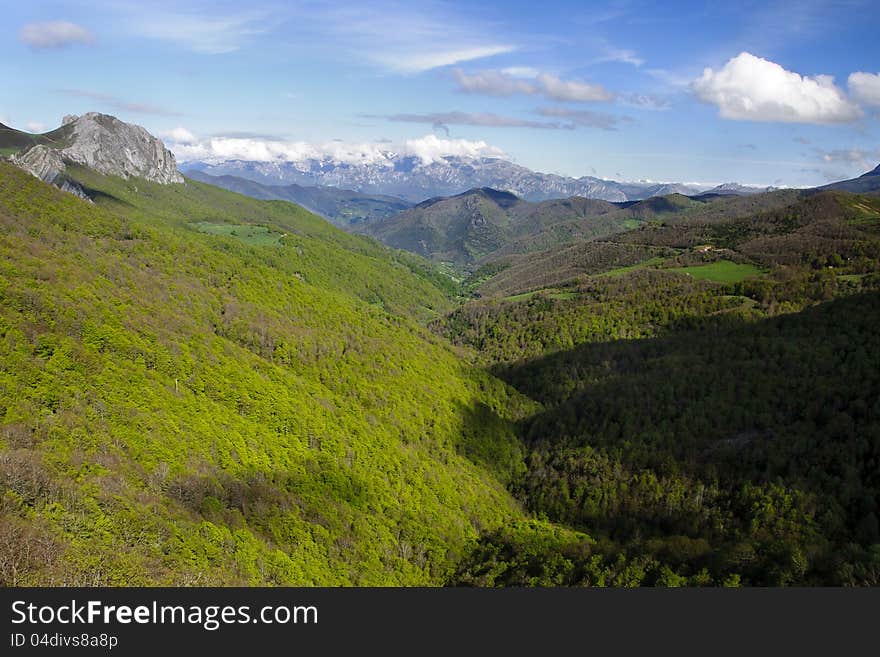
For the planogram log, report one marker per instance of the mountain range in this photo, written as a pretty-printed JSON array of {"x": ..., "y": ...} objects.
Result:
[{"x": 414, "y": 180}]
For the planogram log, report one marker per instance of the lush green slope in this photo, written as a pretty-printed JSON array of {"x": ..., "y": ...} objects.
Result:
[
  {"x": 485, "y": 224},
  {"x": 199, "y": 387},
  {"x": 815, "y": 227},
  {"x": 184, "y": 407}
]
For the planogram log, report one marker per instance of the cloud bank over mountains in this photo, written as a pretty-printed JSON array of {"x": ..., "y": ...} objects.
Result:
[{"x": 429, "y": 148}]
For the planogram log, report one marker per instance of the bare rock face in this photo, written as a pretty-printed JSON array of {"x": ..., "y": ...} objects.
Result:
[
  {"x": 41, "y": 161},
  {"x": 106, "y": 145},
  {"x": 109, "y": 146},
  {"x": 46, "y": 164}
]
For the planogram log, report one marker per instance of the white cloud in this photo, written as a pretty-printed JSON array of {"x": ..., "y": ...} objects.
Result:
[
  {"x": 501, "y": 83},
  {"x": 34, "y": 126},
  {"x": 521, "y": 71},
  {"x": 428, "y": 148},
  {"x": 55, "y": 34},
  {"x": 865, "y": 87},
  {"x": 431, "y": 148},
  {"x": 749, "y": 88},
  {"x": 180, "y": 135},
  {"x": 418, "y": 62}
]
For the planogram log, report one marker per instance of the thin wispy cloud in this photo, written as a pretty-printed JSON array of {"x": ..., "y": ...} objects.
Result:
[
  {"x": 54, "y": 35},
  {"x": 483, "y": 119},
  {"x": 863, "y": 158},
  {"x": 609, "y": 53},
  {"x": 499, "y": 83},
  {"x": 399, "y": 37},
  {"x": 584, "y": 118},
  {"x": 645, "y": 101},
  {"x": 208, "y": 29},
  {"x": 109, "y": 100}
]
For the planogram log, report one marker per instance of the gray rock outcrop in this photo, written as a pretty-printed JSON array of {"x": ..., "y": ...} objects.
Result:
[{"x": 106, "y": 145}]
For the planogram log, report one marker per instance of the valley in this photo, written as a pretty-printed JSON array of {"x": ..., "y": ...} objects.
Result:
[{"x": 199, "y": 387}]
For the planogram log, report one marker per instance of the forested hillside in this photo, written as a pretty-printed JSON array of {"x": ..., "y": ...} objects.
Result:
[
  {"x": 200, "y": 388},
  {"x": 711, "y": 401}
]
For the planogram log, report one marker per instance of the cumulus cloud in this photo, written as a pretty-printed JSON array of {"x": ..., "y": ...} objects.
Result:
[
  {"x": 865, "y": 87},
  {"x": 431, "y": 148},
  {"x": 584, "y": 118},
  {"x": 180, "y": 135},
  {"x": 34, "y": 126},
  {"x": 749, "y": 88},
  {"x": 428, "y": 149},
  {"x": 505, "y": 83},
  {"x": 55, "y": 35}
]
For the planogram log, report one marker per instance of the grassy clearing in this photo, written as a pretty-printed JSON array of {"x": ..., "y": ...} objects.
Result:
[
  {"x": 253, "y": 235},
  {"x": 722, "y": 271}
]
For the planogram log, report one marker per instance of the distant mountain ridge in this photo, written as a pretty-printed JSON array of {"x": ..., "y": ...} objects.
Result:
[
  {"x": 866, "y": 183},
  {"x": 411, "y": 179},
  {"x": 343, "y": 207}
]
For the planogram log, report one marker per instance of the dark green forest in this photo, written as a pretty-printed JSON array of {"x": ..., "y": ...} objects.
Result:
[{"x": 201, "y": 388}]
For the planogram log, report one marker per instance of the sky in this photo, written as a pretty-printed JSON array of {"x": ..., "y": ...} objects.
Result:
[{"x": 766, "y": 93}]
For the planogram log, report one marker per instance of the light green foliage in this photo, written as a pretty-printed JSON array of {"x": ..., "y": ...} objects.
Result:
[{"x": 188, "y": 408}]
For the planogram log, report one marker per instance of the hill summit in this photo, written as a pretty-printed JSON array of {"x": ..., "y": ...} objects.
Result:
[{"x": 99, "y": 142}]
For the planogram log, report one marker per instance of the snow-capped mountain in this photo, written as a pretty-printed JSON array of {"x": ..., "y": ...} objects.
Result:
[{"x": 414, "y": 179}]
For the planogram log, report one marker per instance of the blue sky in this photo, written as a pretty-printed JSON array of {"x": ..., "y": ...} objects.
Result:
[{"x": 784, "y": 93}]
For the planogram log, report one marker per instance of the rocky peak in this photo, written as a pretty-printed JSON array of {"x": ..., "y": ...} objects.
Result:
[{"x": 105, "y": 144}]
